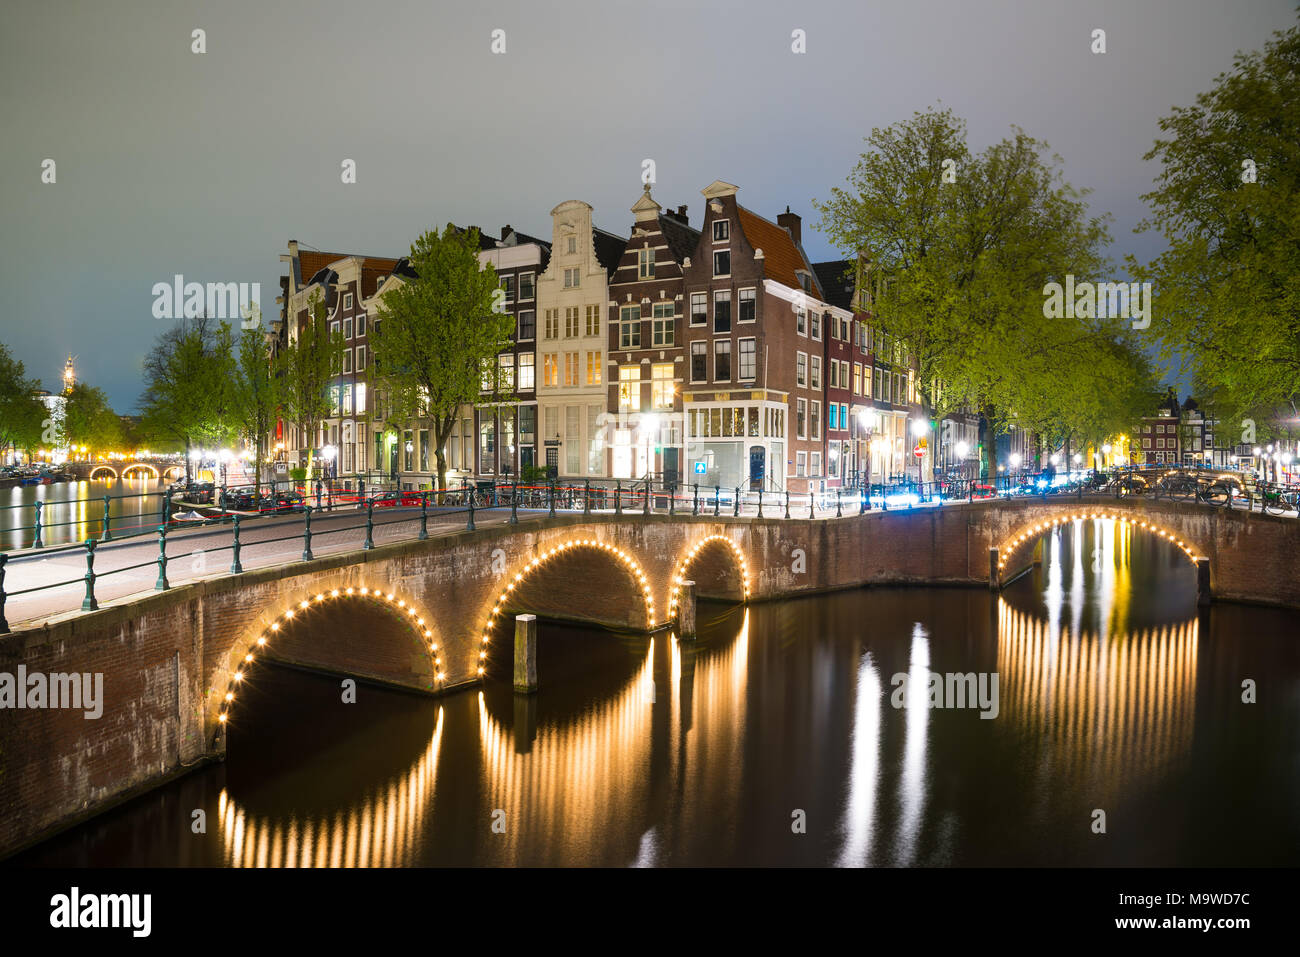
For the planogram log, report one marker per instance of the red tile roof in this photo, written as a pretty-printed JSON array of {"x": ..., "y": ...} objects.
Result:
[{"x": 781, "y": 257}]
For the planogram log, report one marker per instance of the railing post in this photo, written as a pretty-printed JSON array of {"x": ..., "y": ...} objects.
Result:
[
  {"x": 424, "y": 516},
  {"x": 586, "y": 497},
  {"x": 221, "y": 499},
  {"x": 4, "y": 625},
  {"x": 787, "y": 503},
  {"x": 838, "y": 513},
  {"x": 235, "y": 566},
  {"x": 306, "y": 532},
  {"x": 38, "y": 543},
  {"x": 760, "y": 501},
  {"x": 370, "y": 524},
  {"x": 618, "y": 496},
  {"x": 551, "y": 511},
  {"x": 862, "y": 500},
  {"x": 318, "y": 484},
  {"x": 106, "y": 534},
  {"x": 695, "y": 498},
  {"x": 672, "y": 501},
  {"x": 716, "y": 491},
  {"x": 735, "y": 511},
  {"x": 469, "y": 525},
  {"x": 812, "y": 514},
  {"x": 645, "y": 508},
  {"x": 162, "y": 584},
  {"x": 90, "y": 604}
]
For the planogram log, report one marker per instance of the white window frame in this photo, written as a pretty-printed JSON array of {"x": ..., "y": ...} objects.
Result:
[{"x": 726, "y": 230}]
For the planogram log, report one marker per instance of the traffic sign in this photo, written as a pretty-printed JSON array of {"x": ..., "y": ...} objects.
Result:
[
  {"x": 700, "y": 468},
  {"x": 918, "y": 451}
]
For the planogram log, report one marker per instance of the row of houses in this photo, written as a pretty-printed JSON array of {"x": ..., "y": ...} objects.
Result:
[{"x": 714, "y": 352}]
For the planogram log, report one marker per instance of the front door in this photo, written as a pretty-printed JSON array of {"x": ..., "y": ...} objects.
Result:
[
  {"x": 757, "y": 467},
  {"x": 670, "y": 465}
]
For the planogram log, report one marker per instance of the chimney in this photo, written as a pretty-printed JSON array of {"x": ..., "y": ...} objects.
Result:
[
  {"x": 506, "y": 230},
  {"x": 681, "y": 213},
  {"x": 791, "y": 222}
]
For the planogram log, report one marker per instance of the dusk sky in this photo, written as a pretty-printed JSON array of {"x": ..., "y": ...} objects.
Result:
[{"x": 207, "y": 164}]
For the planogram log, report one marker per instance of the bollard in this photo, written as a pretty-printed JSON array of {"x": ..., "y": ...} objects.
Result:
[
  {"x": 787, "y": 503},
  {"x": 4, "y": 625},
  {"x": 686, "y": 610},
  {"x": 235, "y": 566},
  {"x": 695, "y": 498},
  {"x": 318, "y": 484},
  {"x": 221, "y": 499},
  {"x": 811, "y": 502},
  {"x": 586, "y": 497},
  {"x": 370, "y": 524},
  {"x": 716, "y": 490},
  {"x": 672, "y": 501},
  {"x": 161, "y": 584},
  {"x": 514, "y": 503},
  {"x": 525, "y": 654},
  {"x": 306, "y": 533},
  {"x": 90, "y": 604},
  {"x": 424, "y": 516},
  {"x": 760, "y": 501},
  {"x": 736, "y": 509},
  {"x": 38, "y": 543},
  {"x": 618, "y": 497},
  {"x": 838, "y": 513},
  {"x": 106, "y": 534}
]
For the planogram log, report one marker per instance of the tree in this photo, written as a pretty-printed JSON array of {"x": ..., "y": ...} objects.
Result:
[
  {"x": 89, "y": 421},
  {"x": 1227, "y": 201},
  {"x": 306, "y": 368},
  {"x": 22, "y": 415},
  {"x": 956, "y": 249},
  {"x": 256, "y": 395},
  {"x": 187, "y": 393},
  {"x": 440, "y": 331}
]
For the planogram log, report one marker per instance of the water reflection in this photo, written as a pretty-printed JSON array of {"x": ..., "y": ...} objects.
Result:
[
  {"x": 74, "y": 511},
  {"x": 384, "y": 829}
]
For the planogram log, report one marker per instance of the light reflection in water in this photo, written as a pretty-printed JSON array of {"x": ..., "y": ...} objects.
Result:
[
  {"x": 864, "y": 768},
  {"x": 911, "y": 786},
  {"x": 384, "y": 830}
]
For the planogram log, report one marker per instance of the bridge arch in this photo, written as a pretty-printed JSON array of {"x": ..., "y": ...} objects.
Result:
[
  {"x": 526, "y": 573},
  {"x": 701, "y": 550},
  {"x": 257, "y": 641},
  {"x": 1029, "y": 532},
  {"x": 102, "y": 468},
  {"x": 173, "y": 470},
  {"x": 139, "y": 465}
]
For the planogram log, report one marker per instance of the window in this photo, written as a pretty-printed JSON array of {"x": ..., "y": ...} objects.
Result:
[
  {"x": 334, "y": 330},
  {"x": 361, "y": 325},
  {"x": 550, "y": 369},
  {"x": 722, "y": 311},
  {"x": 508, "y": 284},
  {"x": 747, "y": 302},
  {"x": 347, "y": 302},
  {"x": 663, "y": 324},
  {"x": 573, "y": 245},
  {"x": 661, "y": 385},
  {"x": 571, "y": 322},
  {"x": 800, "y": 321},
  {"x": 699, "y": 308},
  {"x": 815, "y": 372},
  {"x": 360, "y": 395},
  {"x": 815, "y": 463},
  {"x": 801, "y": 418},
  {"x": 835, "y": 373},
  {"x": 645, "y": 263},
  {"x": 722, "y": 262},
  {"x": 844, "y": 375},
  {"x": 833, "y": 411},
  {"x": 593, "y": 320},
  {"x": 593, "y": 368},
  {"x": 526, "y": 371},
  {"x": 486, "y": 371},
  {"x": 816, "y": 321},
  {"x": 571, "y": 368},
  {"x": 506, "y": 373},
  {"x": 815, "y": 420},
  {"x": 699, "y": 361},
  {"x": 347, "y": 400},
  {"x": 722, "y": 360},
  {"x": 748, "y": 352},
  {"x": 347, "y": 328},
  {"x": 801, "y": 369},
  {"x": 721, "y": 230},
  {"x": 347, "y": 360},
  {"x": 571, "y": 277},
  {"x": 361, "y": 359},
  {"x": 801, "y": 464},
  {"x": 857, "y": 378},
  {"x": 551, "y": 329},
  {"x": 629, "y": 336},
  {"x": 629, "y": 388},
  {"x": 525, "y": 286}
]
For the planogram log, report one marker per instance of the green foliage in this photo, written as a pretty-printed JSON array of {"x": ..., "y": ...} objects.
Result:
[
  {"x": 955, "y": 266},
  {"x": 22, "y": 415},
  {"x": 306, "y": 369},
  {"x": 438, "y": 332},
  {"x": 1227, "y": 289},
  {"x": 257, "y": 393},
  {"x": 89, "y": 420}
]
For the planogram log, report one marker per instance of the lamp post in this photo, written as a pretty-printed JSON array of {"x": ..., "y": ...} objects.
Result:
[{"x": 649, "y": 427}]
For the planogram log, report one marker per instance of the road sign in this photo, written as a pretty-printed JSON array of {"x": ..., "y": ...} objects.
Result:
[
  {"x": 919, "y": 451},
  {"x": 700, "y": 468}
]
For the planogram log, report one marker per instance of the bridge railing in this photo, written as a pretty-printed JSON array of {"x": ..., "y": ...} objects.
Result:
[{"x": 279, "y": 510}]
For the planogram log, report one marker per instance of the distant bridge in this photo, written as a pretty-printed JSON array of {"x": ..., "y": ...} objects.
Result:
[{"x": 154, "y": 468}]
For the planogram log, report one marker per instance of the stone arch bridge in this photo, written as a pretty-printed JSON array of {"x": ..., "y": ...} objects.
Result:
[{"x": 435, "y": 615}]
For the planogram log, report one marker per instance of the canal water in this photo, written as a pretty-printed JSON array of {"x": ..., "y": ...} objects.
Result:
[
  {"x": 786, "y": 735},
  {"x": 74, "y": 511}
]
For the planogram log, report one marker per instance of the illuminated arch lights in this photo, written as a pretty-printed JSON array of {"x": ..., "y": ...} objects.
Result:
[
  {"x": 1046, "y": 526},
  {"x": 405, "y": 608},
  {"x": 679, "y": 575}
]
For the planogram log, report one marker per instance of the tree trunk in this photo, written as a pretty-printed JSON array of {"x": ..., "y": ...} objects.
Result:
[{"x": 189, "y": 477}]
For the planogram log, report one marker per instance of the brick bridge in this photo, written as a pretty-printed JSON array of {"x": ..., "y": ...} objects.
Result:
[
  {"x": 436, "y": 615},
  {"x": 154, "y": 468}
]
